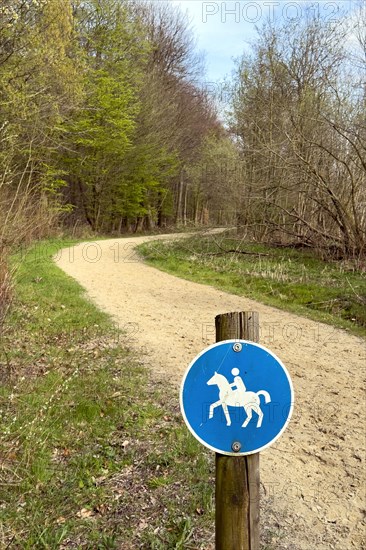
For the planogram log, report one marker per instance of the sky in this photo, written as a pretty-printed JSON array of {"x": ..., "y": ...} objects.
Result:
[{"x": 224, "y": 29}]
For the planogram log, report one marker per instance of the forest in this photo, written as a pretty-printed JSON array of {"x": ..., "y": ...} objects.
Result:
[
  {"x": 106, "y": 123},
  {"x": 110, "y": 128}
]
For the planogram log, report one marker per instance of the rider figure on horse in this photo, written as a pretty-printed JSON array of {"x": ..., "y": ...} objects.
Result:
[{"x": 238, "y": 381}]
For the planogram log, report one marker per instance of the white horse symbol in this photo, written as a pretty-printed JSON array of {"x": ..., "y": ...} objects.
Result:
[{"x": 249, "y": 400}]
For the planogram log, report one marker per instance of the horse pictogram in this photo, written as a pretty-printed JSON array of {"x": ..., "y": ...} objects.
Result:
[{"x": 239, "y": 397}]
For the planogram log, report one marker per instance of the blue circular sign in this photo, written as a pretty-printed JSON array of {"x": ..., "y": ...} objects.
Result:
[{"x": 236, "y": 397}]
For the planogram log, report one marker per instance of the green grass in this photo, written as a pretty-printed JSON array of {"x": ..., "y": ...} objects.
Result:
[
  {"x": 94, "y": 453},
  {"x": 293, "y": 280}
]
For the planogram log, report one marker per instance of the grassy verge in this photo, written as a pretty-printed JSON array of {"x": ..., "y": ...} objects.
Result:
[
  {"x": 93, "y": 453},
  {"x": 293, "y": 280}
]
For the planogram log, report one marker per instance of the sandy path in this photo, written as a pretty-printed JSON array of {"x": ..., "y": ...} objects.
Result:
[{"x": 314, "y": 475}]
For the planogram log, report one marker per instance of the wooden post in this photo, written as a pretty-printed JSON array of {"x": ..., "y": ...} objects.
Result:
[{"x": 237, "y": 478}]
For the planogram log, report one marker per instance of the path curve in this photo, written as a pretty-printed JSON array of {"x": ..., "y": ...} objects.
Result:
[{"x": 314, "y": 474}]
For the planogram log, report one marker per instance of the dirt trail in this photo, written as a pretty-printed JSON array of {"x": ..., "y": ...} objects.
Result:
[{"x": 314, "y": 475}]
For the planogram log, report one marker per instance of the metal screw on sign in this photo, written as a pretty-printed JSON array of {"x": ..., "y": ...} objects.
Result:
[
  {"x": 237, "y": 346},
  {"x": 236, "y": 446}
]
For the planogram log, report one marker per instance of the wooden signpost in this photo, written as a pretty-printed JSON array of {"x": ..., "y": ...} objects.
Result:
[
  {"x": 237, "y": 477},
  {"x": 237, "y": 398}
]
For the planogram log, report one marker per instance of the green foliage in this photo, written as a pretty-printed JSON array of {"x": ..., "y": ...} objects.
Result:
[
  {"x": 39, "y": 84},
  {"x": 100, "y": 135},
  {"x": 99, "y": 112}
]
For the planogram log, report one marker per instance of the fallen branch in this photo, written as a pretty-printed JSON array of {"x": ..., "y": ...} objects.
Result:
[
  {"x": 360, "y": 299},
  {"x": 234, "y": 251}
]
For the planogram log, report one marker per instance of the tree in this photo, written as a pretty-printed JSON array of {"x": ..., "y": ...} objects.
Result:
[
  {"x": 297, "y": 119},
  {"x": 215, "y": 181},
  {"x": 101, "y": 111},
  {"x": 99, "y": 132},
  {"x": 38, "y": 86}
]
